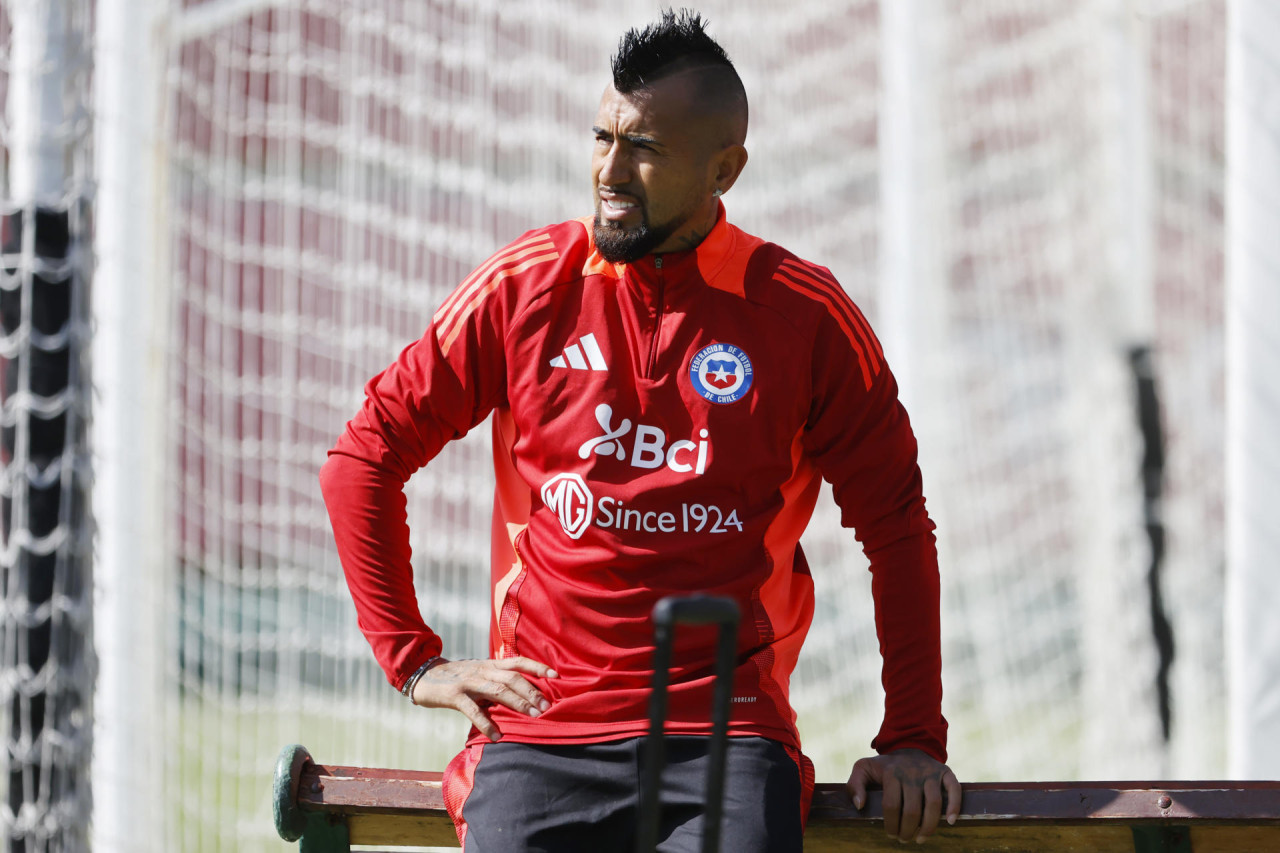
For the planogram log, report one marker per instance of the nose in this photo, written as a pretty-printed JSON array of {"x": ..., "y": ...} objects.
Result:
[{"x": 613, "y": 167}]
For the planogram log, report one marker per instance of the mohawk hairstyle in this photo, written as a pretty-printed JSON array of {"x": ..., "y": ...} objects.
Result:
[{"x": 679, "y": 41}]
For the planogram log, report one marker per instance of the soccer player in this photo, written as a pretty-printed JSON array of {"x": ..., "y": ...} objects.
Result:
[{"x": 667, "y": 391}]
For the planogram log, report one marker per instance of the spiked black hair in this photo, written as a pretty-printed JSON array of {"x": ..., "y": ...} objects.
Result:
[{"x": 677, "y": 42}]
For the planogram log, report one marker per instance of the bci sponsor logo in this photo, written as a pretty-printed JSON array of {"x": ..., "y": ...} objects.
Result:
[{"x": 649, "y": 447}]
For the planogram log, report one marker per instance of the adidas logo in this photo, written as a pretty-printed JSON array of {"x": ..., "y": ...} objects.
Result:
[{"x": 573, "y": 356}]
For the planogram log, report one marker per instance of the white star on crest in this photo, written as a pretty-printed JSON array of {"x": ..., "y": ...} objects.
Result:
[{"x": 720, "y": 374}]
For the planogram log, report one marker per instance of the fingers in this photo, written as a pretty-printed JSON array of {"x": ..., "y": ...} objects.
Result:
[
  {"x": 511, "y": 689},
  {"x": 912, "y": 812},
  {"x": 856, "y": 784},
  {"x": 914, "y": 785},
  {"x": 932, "y": 808},
  {"x": 519, "y": 694},
  {"x": 863, "y": 774},
  {"x": 892, "y": 805},
  {"x": 523, "y": 664},
  {"x": 467, "y": 685},
  {"x": 932, "y": 792},
  {"x": 954, "y": 794},
  {"x": 472, "y": 711}
]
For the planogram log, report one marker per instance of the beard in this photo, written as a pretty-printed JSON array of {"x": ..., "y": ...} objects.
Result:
[{"x": 620, "y": 245}]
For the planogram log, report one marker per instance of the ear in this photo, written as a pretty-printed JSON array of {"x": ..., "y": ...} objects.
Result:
[{"x": 727, "y": 166}]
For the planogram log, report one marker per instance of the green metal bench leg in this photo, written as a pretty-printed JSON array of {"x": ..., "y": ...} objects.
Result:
[
  {"x": 316, "y": 832},
  {"x": 1162, "y": 839},
  {"x": 325, "y": 834}
]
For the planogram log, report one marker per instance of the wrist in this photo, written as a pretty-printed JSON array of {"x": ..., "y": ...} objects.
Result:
[{"x": 412, "y": 682}]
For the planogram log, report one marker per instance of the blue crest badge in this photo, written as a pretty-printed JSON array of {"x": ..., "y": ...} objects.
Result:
[{"x": 721, "y": 373}]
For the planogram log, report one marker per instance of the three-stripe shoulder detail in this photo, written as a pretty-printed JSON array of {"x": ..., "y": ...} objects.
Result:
[
  {"x": 817, "y": 283},
  {"x": 520, "y": 256}
]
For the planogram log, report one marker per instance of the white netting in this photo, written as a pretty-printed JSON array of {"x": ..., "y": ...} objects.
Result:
[
  {"x": 46, "y": 662},
  {"x": 334, "y": 169},
  {"x": 1189, "y": 59}
]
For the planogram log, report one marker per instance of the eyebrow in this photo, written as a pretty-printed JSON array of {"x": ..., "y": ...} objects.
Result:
[{"x": 633, "y": 138}]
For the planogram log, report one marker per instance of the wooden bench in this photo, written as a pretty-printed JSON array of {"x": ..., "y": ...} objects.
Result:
[{"x": 328, "y": 808}]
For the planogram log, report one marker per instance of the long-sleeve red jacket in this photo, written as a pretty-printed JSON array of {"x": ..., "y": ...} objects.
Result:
[{"x": 659, "y": 427}]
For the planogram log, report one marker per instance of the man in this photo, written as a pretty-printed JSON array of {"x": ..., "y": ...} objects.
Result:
[{"x": 667, "y": 392}]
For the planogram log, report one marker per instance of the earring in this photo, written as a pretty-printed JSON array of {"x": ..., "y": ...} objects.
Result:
[{"x": 717, "y": 192}]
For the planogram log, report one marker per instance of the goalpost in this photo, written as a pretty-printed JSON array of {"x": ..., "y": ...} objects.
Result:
[
  {"x": 134, "y": 586},
  {"x": 1018, "y": 193},
  {"x": 1253, "y": 358}
]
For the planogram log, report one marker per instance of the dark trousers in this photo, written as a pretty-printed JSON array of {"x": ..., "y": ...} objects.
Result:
[{"x": 508, "y": 797}]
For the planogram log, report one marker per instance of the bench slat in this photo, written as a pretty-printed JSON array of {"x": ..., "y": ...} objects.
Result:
[
  {"x": 402, "y": 830},
  {"x": 830, "y": 838},
  {"x": 403, "y": 807},
  {"x": 352, "y": 790},
  {"x": 1085, "y": 802}
]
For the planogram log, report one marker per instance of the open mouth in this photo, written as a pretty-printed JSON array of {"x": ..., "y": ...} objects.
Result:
[{"x": 617, "y": 208}]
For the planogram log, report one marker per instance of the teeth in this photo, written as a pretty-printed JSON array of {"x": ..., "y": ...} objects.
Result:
[{"x": 614, "y": 204}]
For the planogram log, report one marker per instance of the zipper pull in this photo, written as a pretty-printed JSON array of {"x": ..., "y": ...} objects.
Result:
[{"x": 657, "y": 262}]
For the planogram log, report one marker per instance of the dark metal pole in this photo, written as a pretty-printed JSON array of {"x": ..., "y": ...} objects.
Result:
[
  {"x": 1149, "y": 422},
  {"x": 667, "y": 613}
]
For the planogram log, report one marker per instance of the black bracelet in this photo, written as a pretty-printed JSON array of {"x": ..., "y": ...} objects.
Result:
[{"x": 407, "y": 690}]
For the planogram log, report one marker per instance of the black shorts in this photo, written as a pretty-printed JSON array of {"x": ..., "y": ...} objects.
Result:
[{"x": 585, "y": 797}]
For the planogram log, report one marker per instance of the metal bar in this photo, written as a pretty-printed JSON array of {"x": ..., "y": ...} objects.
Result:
[
  {"x": 667, "y": 613},
  {"x": 654, "y": 752},
  {"x": 725, "y": 653}
]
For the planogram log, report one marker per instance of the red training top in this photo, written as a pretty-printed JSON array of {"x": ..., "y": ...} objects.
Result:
[{"x": 659, "y": 427}]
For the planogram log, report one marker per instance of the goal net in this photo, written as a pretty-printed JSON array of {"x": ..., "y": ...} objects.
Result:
[
  {"x": 46, "y": 659},
  {"x": 1024, "y": 196}
]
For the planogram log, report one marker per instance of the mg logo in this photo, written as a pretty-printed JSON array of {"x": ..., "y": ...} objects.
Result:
[{"x": 569, "y": 498}]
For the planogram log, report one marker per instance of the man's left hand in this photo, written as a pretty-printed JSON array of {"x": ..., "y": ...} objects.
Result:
[{"x": 913, "y": 783}]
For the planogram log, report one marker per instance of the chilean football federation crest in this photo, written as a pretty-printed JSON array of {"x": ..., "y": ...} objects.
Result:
[{"x": 721, "y": 373}]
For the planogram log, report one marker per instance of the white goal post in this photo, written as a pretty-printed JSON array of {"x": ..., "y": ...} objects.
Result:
[
  {"x": 1253, "y": 389},
  {"x": 134, "y": 586}
]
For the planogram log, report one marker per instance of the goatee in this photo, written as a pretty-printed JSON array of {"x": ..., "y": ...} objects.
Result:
[{"x": 624, "y": 245}]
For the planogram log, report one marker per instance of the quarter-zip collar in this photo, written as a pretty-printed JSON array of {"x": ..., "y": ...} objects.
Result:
[
  {"x": 672, "y": 272},
  {"x": 661, "y": 284},
  {"x": 713, "y": 260},
  {"x": 702, "y": 264}
]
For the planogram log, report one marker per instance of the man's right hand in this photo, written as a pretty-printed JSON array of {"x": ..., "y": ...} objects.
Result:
[{"x": 468, "y": 686}]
